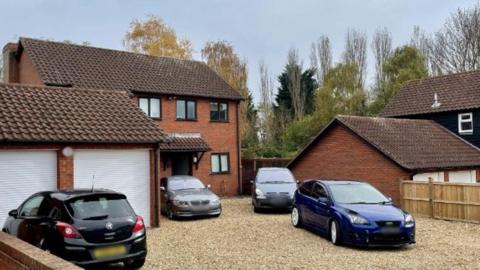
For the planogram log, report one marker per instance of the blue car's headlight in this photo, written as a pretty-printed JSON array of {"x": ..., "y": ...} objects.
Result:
[
  {"x": 409, "y": 221},
  {"x": 357, "y": 219}
]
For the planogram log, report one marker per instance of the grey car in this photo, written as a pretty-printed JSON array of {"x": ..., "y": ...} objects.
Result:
[
  {"x": 273, "y": 188},
  {"x": 187, "y": 196}
]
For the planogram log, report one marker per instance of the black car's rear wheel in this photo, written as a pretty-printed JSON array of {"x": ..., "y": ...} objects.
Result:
[
  {"x": 135, "y": 264},
  {"x": 335, "y": 233},
  {"x": 296, "y": 218}
]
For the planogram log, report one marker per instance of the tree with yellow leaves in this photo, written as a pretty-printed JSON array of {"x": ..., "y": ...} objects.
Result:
[
  {"x": 154, "y": 37},
  {"x": 221, "y": 57}
]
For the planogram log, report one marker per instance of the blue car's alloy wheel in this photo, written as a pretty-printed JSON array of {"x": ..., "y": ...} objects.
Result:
[
  {"x": 296, "y": 219},
  {"x": 335, "y": 233}
]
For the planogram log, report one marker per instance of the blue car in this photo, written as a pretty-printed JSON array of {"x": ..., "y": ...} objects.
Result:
[{"x": 352, "y": 213}]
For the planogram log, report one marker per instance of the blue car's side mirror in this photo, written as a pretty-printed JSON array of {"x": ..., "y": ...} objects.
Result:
[{"x": 324, "y": 200}]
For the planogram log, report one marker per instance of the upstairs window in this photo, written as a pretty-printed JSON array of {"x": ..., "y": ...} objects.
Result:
[
  {"x": 151, "y": 106},
  {"x": 218, "y": 111},
  {"x": 186, "y": 109},
  {"x": 465, "y": 123}
]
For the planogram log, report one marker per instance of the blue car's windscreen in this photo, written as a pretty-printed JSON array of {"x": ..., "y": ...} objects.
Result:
[
  {"x": 356, "y": 193},
  {"x": 99, "y": 207},
  {"x": 185, "y": 184},
  {"x": 268, "y": 176}
]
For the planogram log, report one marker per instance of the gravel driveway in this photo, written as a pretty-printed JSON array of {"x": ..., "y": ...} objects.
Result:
[{"x": 240, "y": 239}]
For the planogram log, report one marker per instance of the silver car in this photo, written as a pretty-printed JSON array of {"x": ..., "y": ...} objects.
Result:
[{"x": 187, "y": 196}]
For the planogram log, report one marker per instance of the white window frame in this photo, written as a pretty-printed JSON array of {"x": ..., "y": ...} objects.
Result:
[{"x": 461, "y": 121}]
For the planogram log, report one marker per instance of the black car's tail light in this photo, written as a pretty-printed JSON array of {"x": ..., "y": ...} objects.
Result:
[
  {"x": 67, "y": 230},
  {"x": 139, "y": 225}
]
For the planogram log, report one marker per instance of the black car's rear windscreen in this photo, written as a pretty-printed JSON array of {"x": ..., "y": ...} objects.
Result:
[{"x": 99, "y": 206}]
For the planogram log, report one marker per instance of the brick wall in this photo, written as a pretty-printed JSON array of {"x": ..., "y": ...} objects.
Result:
[
  {"x": 17, "y": 254},
  {"x": 221, "y": 136},
  {"x": 340, "y": 154}
]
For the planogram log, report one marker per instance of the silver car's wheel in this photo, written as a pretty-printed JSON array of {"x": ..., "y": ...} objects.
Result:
[
  {"x": 170, "y": 212},
  {"x": 295, "y": 217}
]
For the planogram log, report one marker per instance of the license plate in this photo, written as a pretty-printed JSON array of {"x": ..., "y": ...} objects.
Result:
[
  {"x": 390, "y": 230},
  {"x": 112, "y": 251}
]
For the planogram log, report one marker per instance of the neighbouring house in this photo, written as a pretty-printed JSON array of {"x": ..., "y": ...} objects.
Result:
[
  {"x": 186, "y": 99},
  {"x": 452, "y": 100},
  {"x": 382, "y": 151},
  {"x": 56, "y": 137}
]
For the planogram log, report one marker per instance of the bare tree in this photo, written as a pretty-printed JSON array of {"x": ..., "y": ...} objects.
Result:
[
  {"x": 321, "y": 57},
  {"x": 456, "y": 47},
  {"x": 356, "y": 52},
  {"x": 1, "y": 69},
  {"x": 382, "y": 50},
  {"x": 423, "y": 42},
  {"x": 266, "y": 104},
  {"x": 294, "y": 71}
]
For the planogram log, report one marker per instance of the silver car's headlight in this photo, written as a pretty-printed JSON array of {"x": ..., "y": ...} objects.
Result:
[
  {"x": 215, "y": 201},
  {"x": 180, "y": 203},
  {"x": 409, "y": 221},
  {"x": 357, "y": 219},
  {"x": 259, "y": 193}
]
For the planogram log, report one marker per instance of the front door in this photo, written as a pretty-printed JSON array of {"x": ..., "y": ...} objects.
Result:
[{"x": 181, "y": 164}]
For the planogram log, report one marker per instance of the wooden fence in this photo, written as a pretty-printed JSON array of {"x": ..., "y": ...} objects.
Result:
[
  {"x": 442, "y": 200},
  {"x": 250, "y": 167}
]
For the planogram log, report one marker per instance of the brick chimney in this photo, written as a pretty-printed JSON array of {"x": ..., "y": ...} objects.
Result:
[{"x": 10, "y": 63}]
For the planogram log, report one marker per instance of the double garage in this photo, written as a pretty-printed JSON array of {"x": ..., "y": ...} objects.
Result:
[
  {"x": 65, "y": 138},
  {"x": 25, "y": 172}
]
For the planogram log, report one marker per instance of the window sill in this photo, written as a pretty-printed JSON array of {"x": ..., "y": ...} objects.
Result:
[
  {"x": 188, "y": 120},
  {"x": 219, "y": 173},
  {"x": 219, "y": 121},
  {"x": 465, "y": 132}
]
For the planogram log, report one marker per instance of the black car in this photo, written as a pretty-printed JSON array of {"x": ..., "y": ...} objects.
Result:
[
  {"x": 187, "y": 196},
  {"x": 273, "y": 188},
  {"x": 84, "y": 227}
]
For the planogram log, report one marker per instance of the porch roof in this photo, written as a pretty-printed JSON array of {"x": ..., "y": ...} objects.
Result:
[{"x": 185, "y": 144}]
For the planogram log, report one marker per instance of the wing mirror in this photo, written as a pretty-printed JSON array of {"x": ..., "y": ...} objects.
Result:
[
  {"x": 162, "y": 188},
  {"x": 324, "y": 200},
  {"x": 13, "y": 213},
  {"x": 389, "y": 199},
  {"x": 209, "y": 186}
]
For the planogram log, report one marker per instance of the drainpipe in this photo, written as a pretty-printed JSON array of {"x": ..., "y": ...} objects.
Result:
[
  {"x": 156, "y": 155},
  {"x": 239, "y": 162}
]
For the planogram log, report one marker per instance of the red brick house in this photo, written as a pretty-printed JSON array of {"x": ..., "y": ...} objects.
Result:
[
  {"x": 382, "y": 151},
  {"x": 54, "y": 137},
  {"x": 186, "y": 99}
]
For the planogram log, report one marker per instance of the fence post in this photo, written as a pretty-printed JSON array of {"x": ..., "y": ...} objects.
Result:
[
  {"x": 401, "y": 192},
  {"x": 430, "y": 196}
]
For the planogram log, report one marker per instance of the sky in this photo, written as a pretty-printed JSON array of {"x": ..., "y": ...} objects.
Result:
[{"x": 259, "y": 29}]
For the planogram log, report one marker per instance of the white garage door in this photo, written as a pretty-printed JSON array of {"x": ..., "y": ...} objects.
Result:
[
  {"x": 125, "y": 171},
  {"x": 23, "y": 173}
]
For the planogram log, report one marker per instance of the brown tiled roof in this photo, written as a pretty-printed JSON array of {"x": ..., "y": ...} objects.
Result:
[
  {"x": 95, "y": 68},
  {"x": 185, "y": 144},
  {"x": 412, "y": 144},
  {"x": 454, "y": 92},
  {"x": 54, "y": 114}
]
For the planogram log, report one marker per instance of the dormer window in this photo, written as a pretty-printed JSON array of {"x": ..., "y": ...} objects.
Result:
[{"x": 465, "y": 123}]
